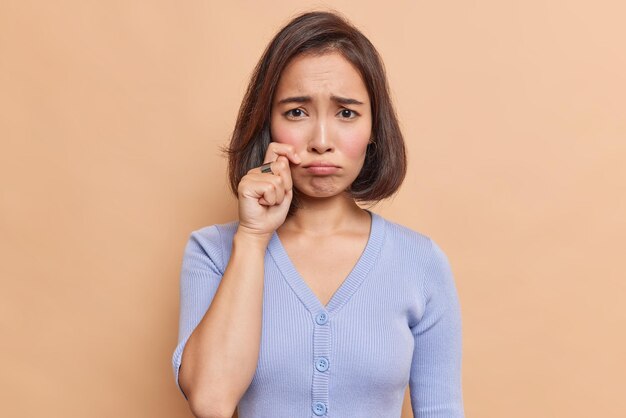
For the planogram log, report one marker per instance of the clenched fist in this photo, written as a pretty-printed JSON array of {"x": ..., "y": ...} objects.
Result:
[{"x": 264, "y": 198}]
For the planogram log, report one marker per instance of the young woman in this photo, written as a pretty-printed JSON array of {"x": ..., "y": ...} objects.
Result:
[{"x": 309, "y": 305}]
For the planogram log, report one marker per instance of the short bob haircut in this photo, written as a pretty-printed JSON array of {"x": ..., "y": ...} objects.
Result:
[{"x": 318, "y": 33}]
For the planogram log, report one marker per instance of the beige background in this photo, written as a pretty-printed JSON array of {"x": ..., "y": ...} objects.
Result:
[{"x": 111, "y": 114}]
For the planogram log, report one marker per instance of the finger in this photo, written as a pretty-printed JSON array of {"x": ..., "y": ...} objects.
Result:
[
  {"x": 277, "y": 180},
  {"x": 281, "y": 168},
  {"x": 272, "y": 168},
  {"x": 275, "y": 149},
  {"x": 287, "y": 199},
  {"x": 269, "y": 193},
  {"x": 279, "y": 188},
  {"x": 256, "y": 185},
  {"x": 264, "y": 169}
]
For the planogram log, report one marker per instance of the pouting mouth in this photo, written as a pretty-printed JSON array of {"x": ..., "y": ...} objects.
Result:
[{"x": 320, "y": 164}]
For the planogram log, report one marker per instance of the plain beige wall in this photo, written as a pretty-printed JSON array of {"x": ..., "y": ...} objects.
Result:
[{"x": 111, "y": 115}]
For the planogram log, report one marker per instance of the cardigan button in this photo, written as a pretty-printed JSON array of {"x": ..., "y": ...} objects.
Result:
[
  {"x": 319, "y": 408},
  {"x": 322, "y": 364},
  {"x": 321, "y": 318}
]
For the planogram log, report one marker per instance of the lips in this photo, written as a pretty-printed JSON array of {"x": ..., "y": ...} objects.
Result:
[
  {"x": 321, "y": 168},
  {"x": 320, "y": 164}
]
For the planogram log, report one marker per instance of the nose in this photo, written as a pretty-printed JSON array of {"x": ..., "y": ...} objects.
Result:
[{"x": 321, "y": 138}]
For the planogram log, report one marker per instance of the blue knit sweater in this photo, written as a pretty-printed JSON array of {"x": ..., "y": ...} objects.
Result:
[{"x": 394, "y": 321}]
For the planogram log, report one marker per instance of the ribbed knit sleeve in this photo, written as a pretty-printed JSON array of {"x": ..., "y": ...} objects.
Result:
[
  {"x": 201, "y": 273},
  {"x": 435, "y": 378}
]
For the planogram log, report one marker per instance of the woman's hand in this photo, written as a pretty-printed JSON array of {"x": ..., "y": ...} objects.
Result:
[{"x": 264, "y": 198}]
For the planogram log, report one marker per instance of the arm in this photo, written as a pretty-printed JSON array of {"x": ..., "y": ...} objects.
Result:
[
  {"x": 221, "y": 311},
  {"x": 220, "y": 322},
  {"x": 435, "y": 380}
]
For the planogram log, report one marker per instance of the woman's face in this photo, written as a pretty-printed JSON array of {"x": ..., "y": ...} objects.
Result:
[{"x": 322, "y": 108}]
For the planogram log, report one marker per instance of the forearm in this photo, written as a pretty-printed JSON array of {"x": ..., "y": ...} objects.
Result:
[{"x": 221, "y": 355}]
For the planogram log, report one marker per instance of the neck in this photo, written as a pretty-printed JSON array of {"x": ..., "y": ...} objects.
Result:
[{"x": 326, "y": 216}]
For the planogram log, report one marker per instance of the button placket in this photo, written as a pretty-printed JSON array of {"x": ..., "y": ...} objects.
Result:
[{"x": 321, "y": 362}]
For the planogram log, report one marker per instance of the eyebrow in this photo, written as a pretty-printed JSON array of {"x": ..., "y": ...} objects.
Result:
[{"x": 308, "y": 99}]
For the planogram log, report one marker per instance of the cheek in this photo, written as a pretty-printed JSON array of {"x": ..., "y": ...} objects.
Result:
[
  {"x": 355, "y": 143},
  {"x": 285, "y": 134},
  {"x": 355, "y": 149}
]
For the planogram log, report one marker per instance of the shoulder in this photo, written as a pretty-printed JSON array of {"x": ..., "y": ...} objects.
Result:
[
  {"x": 214, "y": 234},
  {"x": 424, "y": 258},
  {"x": 415, "y": 249},
  {"x": 406, "y": 239},
  {"x": 211, "y": 245}
]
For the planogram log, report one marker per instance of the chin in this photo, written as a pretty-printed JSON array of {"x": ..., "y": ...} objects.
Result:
[
  {"x": 317, "y": 194},
  {"x": 321, "y": 187},
  {"x": 321, "y": 192}
]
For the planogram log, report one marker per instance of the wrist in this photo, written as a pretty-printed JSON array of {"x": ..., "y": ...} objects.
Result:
[{"x": 252, "y": 239}]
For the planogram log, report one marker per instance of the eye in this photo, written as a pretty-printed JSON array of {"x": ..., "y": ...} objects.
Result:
[
  {"x": 348, "y": 114},
  {"x": 294, "y": 113}
]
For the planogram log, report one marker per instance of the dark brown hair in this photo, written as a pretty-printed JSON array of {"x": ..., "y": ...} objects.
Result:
[{"x": 318, "y": 33}]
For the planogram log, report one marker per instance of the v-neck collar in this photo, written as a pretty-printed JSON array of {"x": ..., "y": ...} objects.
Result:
[{"x": 350, "y": 284}]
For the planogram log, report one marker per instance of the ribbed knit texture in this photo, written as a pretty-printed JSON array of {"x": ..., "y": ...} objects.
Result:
[{"x": 394, "y": 321}]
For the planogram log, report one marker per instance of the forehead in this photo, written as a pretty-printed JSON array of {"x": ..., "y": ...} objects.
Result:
[{"x": 330, "y": 73}]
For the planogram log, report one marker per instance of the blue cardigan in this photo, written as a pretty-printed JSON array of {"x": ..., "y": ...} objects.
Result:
[{"x": 394, "y": 321}]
